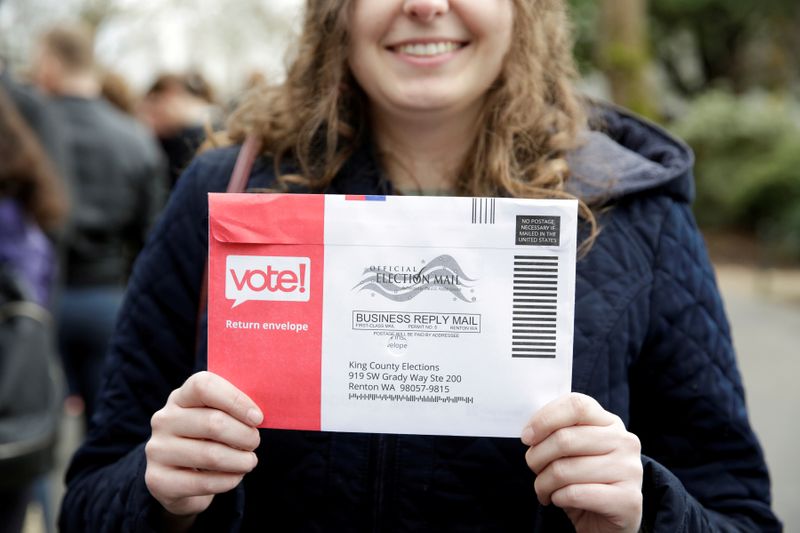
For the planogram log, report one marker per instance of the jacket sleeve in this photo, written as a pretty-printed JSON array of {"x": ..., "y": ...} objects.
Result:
[
  {"x": 151, "y": 354},
  {"x": 703, "y": 467}
]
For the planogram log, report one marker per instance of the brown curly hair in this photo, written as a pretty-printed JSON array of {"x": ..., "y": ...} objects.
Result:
[
  {"x": 532, "y": 114},
  {"x": 26, "y": 174}
]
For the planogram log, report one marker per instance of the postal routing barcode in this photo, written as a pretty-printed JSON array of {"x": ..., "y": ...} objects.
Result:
[
  {"x": 533, "y": 320},
  {"x": 483, "y": 210}
]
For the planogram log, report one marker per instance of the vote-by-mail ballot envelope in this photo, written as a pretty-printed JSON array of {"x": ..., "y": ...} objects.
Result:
[{"x": 393, "y": 314}]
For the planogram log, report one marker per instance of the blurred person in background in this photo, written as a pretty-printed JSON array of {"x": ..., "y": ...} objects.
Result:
[
  {"x": 115, "y": 89},
  {"x": 119, "y": 185},
  {"x": 32, "y": 203},
  {"x": 40, "y": 117},
  {"x": 180, "y": 109},
  {"x": 47, "y": 124}
]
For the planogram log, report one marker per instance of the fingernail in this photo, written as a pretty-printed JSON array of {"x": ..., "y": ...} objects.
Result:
[
  {"x": 527, "y": 435},
  {"x": 255, "y": 416},
  {"x": 543, "y": 502}
]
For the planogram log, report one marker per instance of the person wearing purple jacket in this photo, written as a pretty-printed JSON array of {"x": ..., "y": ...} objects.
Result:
[{"x": 32, "y": 201}]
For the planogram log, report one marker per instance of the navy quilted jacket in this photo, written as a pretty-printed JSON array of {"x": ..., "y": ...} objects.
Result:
[{"x": 651, "y": 345}]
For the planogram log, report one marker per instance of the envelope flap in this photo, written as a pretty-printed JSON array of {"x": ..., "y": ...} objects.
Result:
[{"x": 265, "y": 218}]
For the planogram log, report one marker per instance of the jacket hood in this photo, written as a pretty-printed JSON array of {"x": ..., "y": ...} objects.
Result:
[{"x": 628, "y": 155}]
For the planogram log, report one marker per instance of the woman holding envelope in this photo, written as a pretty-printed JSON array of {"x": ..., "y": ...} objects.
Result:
[{"x": 458, "y": 97}]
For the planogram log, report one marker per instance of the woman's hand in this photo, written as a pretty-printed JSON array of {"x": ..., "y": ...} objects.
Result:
[
  {"x": 587, "y": 463},
  {"x": 202, "y": 444}
]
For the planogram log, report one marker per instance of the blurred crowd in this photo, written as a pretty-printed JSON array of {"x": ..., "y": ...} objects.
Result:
[{"x": 86, "y": 165}]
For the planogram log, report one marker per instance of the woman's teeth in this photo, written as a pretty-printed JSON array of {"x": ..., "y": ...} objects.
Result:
[{"x": 428, "y": 49}]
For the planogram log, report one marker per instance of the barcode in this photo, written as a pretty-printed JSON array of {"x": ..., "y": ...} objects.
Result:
[
  {"x": 425, "y": 398},
  {"x": 535, "y": 294},
  {"x": 483, "y": 210}
]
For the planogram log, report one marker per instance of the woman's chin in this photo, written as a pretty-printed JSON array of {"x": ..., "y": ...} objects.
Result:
[{"x": 428, "y": 103}]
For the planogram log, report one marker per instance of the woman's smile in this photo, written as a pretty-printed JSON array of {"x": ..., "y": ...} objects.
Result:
[
  {"x": 428, "y": 56},
  {"x": 427, "y": 47}
]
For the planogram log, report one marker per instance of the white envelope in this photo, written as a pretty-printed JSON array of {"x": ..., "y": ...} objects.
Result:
[{"x": 397, "y": 314}]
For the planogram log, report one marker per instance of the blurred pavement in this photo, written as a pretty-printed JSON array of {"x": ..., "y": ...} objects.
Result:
[{"x": 764, "y": 310}]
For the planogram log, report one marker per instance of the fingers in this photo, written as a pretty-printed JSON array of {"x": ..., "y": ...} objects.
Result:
[
  {"x": 609, "y": 469},
  {"x": 206, "y": 423},
  {"x": 185, "y": 492},
  {"x": 180, "y": 453},
  {"x": 570, "y": 442},
  {"x": 619, "y": 504},
  {"x": 206, "y": 389},
  {"x": 586, "y": 461},
  {"x": 571, "y": 410},
  {"x": 201, "y": 444}
]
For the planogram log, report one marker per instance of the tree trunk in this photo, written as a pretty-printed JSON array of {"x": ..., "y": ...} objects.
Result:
[{"x": 624, "y": 53}]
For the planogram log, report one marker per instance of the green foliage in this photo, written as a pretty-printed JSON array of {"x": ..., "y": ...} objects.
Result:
[
  {"x": 701, "y": 44},
  {"x": 584, "y": 15},
  {"x": 772, "y": 197},
  {"x": 748, "y": 165},
  {"x": 720, "y": 30},
  {"x": 622, "y": 57},
  {"x": 738, "y": 10}
]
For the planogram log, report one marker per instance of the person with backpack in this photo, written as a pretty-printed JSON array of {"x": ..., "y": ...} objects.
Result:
[{"x": 32, "y": 202}]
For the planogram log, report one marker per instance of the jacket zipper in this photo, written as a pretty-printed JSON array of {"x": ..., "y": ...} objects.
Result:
[{"x": 378, "y": 487}]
